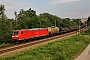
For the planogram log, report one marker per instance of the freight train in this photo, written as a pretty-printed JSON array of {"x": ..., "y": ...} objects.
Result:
[{"x": 25, "y": 34}]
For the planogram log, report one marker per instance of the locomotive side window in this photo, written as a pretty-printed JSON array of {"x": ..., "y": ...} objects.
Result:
[
  {"x": 15, "y": 32},
  {"x": 22, "y": 32}
]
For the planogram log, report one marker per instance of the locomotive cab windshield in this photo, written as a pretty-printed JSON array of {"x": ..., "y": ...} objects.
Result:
[{"x": 16, "y": 32}]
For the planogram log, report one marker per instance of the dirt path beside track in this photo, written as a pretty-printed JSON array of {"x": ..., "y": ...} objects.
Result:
[{"x": 85, "y": 55}]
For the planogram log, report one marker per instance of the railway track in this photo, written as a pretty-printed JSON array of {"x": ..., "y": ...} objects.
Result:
[{"x": 23, "y": 45}]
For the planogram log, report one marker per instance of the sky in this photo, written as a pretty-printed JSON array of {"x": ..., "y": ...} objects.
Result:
[{"x": 61, "y": 8}]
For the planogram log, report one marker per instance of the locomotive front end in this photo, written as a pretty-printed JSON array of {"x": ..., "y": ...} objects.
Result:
[{"x": 15, "y": 35}]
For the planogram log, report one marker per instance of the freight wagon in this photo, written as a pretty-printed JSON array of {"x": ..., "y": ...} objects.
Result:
[{"x": 53, "y": 30}]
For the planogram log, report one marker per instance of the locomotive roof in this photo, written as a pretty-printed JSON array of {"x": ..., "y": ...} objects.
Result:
[
  {"x": 31, "y": 29},
  {"x": 35, "y": 29}
]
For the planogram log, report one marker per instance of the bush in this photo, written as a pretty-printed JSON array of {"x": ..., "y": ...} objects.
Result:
[{"x": 4, "y": 44}]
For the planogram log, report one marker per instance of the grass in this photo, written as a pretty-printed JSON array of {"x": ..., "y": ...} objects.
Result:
[
  {"x": 4, "y": 44},
  {"x": 86, "y": 32},
  {"x": 58, "y": 50}
]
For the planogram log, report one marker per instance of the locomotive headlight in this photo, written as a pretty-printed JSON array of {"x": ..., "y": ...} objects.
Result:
[
  {"x": 12, "y": 36},
  {"x": 16, "y": 36}
]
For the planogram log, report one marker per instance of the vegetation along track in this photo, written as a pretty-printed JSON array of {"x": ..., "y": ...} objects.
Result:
[{"x": 23, "y": 45}]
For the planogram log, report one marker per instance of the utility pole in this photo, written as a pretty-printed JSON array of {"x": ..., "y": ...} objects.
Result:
[
  {"x": 15, "y": 19},
  {"x": 55, "y": 23},
  {"x": 79, "y": 25}
]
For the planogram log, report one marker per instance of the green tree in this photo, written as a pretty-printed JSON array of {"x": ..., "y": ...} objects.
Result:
[
  {"x": 49, "y": 20},
  {"x": 5, "y": 25},
  {"x": 66, "y": 22},
  {"x": 88, "y": 21},
  {"x": 25, "y": 17},
  {"x": 77, "y": 21},
  {"x": 45, "y": 22},
  {"x": 2, "y": 9}
]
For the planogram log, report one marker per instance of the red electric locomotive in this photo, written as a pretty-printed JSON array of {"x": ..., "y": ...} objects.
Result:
[{"x": 24, "y": 34}]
